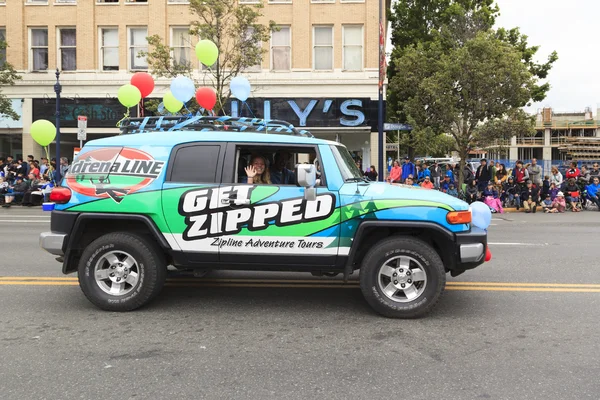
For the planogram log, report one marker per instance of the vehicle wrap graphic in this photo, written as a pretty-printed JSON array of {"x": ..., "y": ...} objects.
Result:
[
  {"x": 192, "y": 216},
  {"x": 113, "y": 172}
]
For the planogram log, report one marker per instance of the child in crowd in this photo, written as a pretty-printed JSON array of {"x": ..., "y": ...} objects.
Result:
[
  {"x": 490, "y": 198},
  {"x": 547, "y": 203},
  {"x": 512, "y": 193},
  {"x": 572, "y": 197},
  {"x": 446, "y": 184},
  {"x": 452, "y": 190},
  {"x": 546, "y": 187},
  {"x": 553, "y": 191},
  {"x": 558, "y": 205},
  {"x": 471, "y": 194}
]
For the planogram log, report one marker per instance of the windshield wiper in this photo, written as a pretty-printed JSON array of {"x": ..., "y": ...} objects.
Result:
[{"x": 355, "y": 179}]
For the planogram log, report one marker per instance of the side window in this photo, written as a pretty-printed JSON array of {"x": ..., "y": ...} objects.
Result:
[
  {"x": 273, "y": 165},
  {"x": 195, "y": 164}
]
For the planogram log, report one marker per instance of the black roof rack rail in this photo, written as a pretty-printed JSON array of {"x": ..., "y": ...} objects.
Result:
[{"x": 208, "y": 123}]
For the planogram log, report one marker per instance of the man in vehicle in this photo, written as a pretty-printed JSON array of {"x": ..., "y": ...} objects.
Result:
[{"x": 280, "y": 175}]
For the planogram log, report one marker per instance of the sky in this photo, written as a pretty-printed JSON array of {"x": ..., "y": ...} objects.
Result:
[{"x": 570, "y": 28}]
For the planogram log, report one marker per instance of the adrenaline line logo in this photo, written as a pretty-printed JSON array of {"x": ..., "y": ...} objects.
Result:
[
  {"x": 206, "y": 216},
  {"x": 113, "y": 172}
]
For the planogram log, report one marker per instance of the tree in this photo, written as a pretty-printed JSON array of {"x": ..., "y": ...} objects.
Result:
[
  {"x": 472, "y": 91},
  {"x": 8, "y": 76},
  {"x": 235, "y": 30},
  {"x": 439, "y": 27}
]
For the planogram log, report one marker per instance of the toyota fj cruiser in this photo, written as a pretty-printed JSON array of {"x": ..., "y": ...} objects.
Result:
[{"x": 173, "y": 191}]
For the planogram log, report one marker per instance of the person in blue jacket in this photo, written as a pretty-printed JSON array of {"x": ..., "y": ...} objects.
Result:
[
  {"x": 408, "y": 168},
  {"x": 593, "y": 191}
]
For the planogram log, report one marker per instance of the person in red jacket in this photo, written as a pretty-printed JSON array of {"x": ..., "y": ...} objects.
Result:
[
  {"x": 395, "y": 173},
  {"x": 573, "y": 172},
  {"x": 427, "y": 184}
]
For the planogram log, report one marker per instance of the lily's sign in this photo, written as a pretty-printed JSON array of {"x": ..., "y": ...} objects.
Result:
[{"x": 311, "y": 112}]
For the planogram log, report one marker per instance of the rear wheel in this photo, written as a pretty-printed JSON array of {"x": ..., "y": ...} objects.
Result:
[
  {"x": 402, "y": 277},
  {"x": 121, "y": 272}
]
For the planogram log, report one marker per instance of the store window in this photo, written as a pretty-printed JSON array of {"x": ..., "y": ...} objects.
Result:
[
  {"x": 109, "y": 49},
  {"x": 39, "y": 49},
  {"x": 256, "y": 67},
  {"x": 137, "y": 43},
  {"x": 67, "y": 53},
  {"x": 281, "y": 49},
  {"x": 323, "y": 48}
]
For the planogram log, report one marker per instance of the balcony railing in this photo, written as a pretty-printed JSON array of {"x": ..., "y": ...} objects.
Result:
[{"x": 530, "y": 141}]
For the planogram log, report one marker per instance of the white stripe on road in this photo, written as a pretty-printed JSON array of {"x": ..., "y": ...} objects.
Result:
[
  {"x": 20, "y": 221},
  {"x": 516, "y": 244},
  {"x": 25, "y": 216}
]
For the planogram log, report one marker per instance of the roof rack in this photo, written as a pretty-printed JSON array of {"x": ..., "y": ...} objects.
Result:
[{"x": 208, "y": 123}]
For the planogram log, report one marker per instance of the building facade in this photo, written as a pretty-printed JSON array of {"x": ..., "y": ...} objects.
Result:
[
  {"x": 559, "y": 136},
  {"x": 320, "y": 70}
]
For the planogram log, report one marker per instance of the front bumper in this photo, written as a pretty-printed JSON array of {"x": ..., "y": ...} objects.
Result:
[
  {"x": 471, "y": 248},
  {"x": 53, "y": 242}
]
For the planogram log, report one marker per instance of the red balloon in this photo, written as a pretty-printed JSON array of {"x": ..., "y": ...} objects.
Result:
[
  {"x": 144, "y": 82},
  {"x": 488, "y": 254},
  {"x": 206, "y": 98}
]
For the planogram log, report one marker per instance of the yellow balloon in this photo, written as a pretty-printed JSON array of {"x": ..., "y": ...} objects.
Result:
[
  {"x": 171, "y": 103},
  {"x": 43, "y": 132}
]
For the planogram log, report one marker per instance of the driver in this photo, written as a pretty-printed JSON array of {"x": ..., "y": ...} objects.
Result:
[{"x": 280, "y": 175}]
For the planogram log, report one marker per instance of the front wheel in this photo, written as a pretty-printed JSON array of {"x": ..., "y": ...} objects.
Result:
[
  {"x": 121, "y": 271},
  {"x": 402, "y": 277}
]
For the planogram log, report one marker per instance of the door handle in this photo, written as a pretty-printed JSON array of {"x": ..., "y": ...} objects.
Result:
[{"x": 235, "y": 201}]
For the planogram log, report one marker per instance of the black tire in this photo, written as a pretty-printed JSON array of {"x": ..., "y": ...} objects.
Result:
[
  {"x": 422, "y": 257},
  {"x": 151, "y": 271}
]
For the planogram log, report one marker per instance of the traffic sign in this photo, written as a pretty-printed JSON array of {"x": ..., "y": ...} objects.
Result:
[
  {"x": 395, "y": 126},
  {"x": 81, "y": 127}
]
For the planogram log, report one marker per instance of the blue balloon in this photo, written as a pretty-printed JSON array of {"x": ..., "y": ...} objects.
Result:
[
  {"x": 481, "y": 216},
  {"x": 183, "y": 88},
  {"x": 240, "y": 88}
]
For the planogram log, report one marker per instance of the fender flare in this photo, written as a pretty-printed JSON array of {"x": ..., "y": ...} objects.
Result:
[
  {"x": 450, "y": 236},
  {"x": 75, "y": 233}
]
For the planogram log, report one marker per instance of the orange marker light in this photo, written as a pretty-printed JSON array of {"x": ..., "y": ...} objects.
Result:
[{"x": 458, "y": 217}]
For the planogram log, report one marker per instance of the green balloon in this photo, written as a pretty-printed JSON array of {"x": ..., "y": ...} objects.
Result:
[
  {"x": 129, "y": 95},
  {"x": 171, "y": 103},
  {"x": 207, "y": 52},
  {"x": 43, "y": 132}
]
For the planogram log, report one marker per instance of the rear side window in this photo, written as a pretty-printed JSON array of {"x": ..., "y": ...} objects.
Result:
[{"x": 195, "y": 164}]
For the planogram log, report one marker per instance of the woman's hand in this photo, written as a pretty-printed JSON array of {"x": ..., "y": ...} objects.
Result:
[{"x": 250, "y": 171}]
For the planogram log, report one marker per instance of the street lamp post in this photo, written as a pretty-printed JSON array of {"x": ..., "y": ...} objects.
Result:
[
  {"x": 381, "y": 79},
  {"x": 57, "y": 90}
]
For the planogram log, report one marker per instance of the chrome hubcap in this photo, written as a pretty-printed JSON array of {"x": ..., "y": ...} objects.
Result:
[
  {"x": 117, "y": 273},
  {"x": 402, "y": 279}
]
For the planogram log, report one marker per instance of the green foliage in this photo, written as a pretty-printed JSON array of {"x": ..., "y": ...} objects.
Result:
[
  {"x": 432, "y": 39},
  {"x": 8, "y": 76},
  {"x": 472, "y": 92},
  {"x": 233, "y": 27}
]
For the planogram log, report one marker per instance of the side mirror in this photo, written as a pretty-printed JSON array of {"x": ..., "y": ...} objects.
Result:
[{"x": 306, "y": 177}]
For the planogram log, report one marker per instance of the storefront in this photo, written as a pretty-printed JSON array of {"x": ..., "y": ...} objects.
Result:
[
  {"x": 351, "y": 121},
  {"x": 11, "y": 132}
]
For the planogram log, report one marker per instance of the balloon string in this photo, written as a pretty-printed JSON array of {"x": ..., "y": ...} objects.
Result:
[
  {"x": 249, "y": 109},
  {"x": 125, "y": 116},
  {"x": 189, "y": 113}
]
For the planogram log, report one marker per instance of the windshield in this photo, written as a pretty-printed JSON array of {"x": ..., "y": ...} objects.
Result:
[{"x": 346, "y": 163}]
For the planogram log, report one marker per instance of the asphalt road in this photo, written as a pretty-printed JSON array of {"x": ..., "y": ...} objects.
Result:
[{"x": 523, "y": 326}]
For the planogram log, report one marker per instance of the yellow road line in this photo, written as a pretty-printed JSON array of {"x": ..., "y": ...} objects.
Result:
[
  {"x": 316, "y": 284},
  {"x": 312, "y": 282}
]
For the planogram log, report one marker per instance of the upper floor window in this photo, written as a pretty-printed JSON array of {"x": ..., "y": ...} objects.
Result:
[
  {"x": 109, "y": 49},
  {"x": 323, "y": 48},
  {"x": 353, "y": 47},
  {"x": 281, "y": 49},
  {"x": 107, "y": 1},
  {"x": 3, "y": 48},
  {"x": 66, "y": 1},
  {"x": 36, "y": 2},
  {"x": 67, "y": 54},
  {"x": 136, "y": 1},
  {"x": 180, "y": 42},
  {"x": 137, "y": 43},
  {"x": 256, "y": 67},
  {"x": 38, "y": 50}
]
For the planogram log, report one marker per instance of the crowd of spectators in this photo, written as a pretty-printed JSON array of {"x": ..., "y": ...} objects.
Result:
[
  {"x": 27, "y": 183},
  {"x": 524, "y": 186}
]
